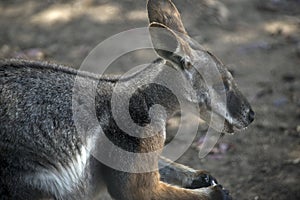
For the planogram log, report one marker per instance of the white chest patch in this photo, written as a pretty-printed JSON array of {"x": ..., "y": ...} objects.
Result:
[{"x": 64, "y": 179}]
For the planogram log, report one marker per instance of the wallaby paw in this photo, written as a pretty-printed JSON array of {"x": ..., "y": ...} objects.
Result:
[
  {"x": 201, "y": 179},
  {"x": 215, "y": 192},
  {"x": 219, "y": 193}
]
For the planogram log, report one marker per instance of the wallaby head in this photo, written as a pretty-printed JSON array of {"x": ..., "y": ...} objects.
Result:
[{"x": 172, "y": 43}]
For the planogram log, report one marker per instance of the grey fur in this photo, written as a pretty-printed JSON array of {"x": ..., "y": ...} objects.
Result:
[{"x": 43, "y": 153}]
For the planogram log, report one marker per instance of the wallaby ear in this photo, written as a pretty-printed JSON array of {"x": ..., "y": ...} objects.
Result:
[
  {"x": 165, "y": 12},
  {"x": 167, "y": 43}
]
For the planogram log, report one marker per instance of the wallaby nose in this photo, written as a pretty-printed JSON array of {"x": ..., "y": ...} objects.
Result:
[{"x": 251, "y": 115}]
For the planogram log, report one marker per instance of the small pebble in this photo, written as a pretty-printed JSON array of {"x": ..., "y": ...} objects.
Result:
[
  {"x": 298, "y": 129},
  {"x": 278, "y": 102}
]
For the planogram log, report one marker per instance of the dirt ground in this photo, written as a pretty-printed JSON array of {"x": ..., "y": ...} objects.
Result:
[{"x": 259, "y": 41}]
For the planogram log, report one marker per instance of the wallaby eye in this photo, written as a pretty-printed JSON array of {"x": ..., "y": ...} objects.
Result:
[{"x": 188, "y": 65}]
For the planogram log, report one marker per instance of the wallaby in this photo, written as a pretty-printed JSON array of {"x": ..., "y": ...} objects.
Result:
[{"x": 43, "y": 154}]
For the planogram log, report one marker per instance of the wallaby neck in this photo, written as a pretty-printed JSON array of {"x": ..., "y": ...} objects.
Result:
[
  {"x": 146, "y": 88},
  {"x": 129, "y": 108}
]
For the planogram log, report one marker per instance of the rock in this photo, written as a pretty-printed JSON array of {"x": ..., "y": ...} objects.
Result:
[
  {"x": 264, "y": 92},
  {"x": 298, "y": 128},
  {"x": 35, "y": 53},
  {"x": 281, "y": 101},
  {"x": 288, "y": 78}
]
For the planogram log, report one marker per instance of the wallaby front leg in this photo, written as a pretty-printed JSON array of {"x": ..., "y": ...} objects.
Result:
[
  {"x": 167, "y": 192},
  {"x": 145, "y": 186},
  {"x": 181, "y": 175}
]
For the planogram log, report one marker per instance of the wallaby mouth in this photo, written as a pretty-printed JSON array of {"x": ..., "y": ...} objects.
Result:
[
  {"x": 228, "y": 128},
  {"x": 233, "y": 127},
  {"x": 230, "y": 125}
]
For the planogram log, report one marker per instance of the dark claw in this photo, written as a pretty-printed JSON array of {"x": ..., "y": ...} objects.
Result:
[
  {"x": 202, "y": 180},
  {"x": 220, "y": 193}
]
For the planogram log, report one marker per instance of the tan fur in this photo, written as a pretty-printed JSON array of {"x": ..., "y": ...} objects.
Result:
[{"x": 43, "y": 155}]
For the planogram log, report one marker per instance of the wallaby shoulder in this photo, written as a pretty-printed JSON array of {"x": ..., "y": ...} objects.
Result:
[{"x": 40, "y": 145}]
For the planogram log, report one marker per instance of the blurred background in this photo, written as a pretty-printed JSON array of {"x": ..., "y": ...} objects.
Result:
[{"x": 259, "y": 41}]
